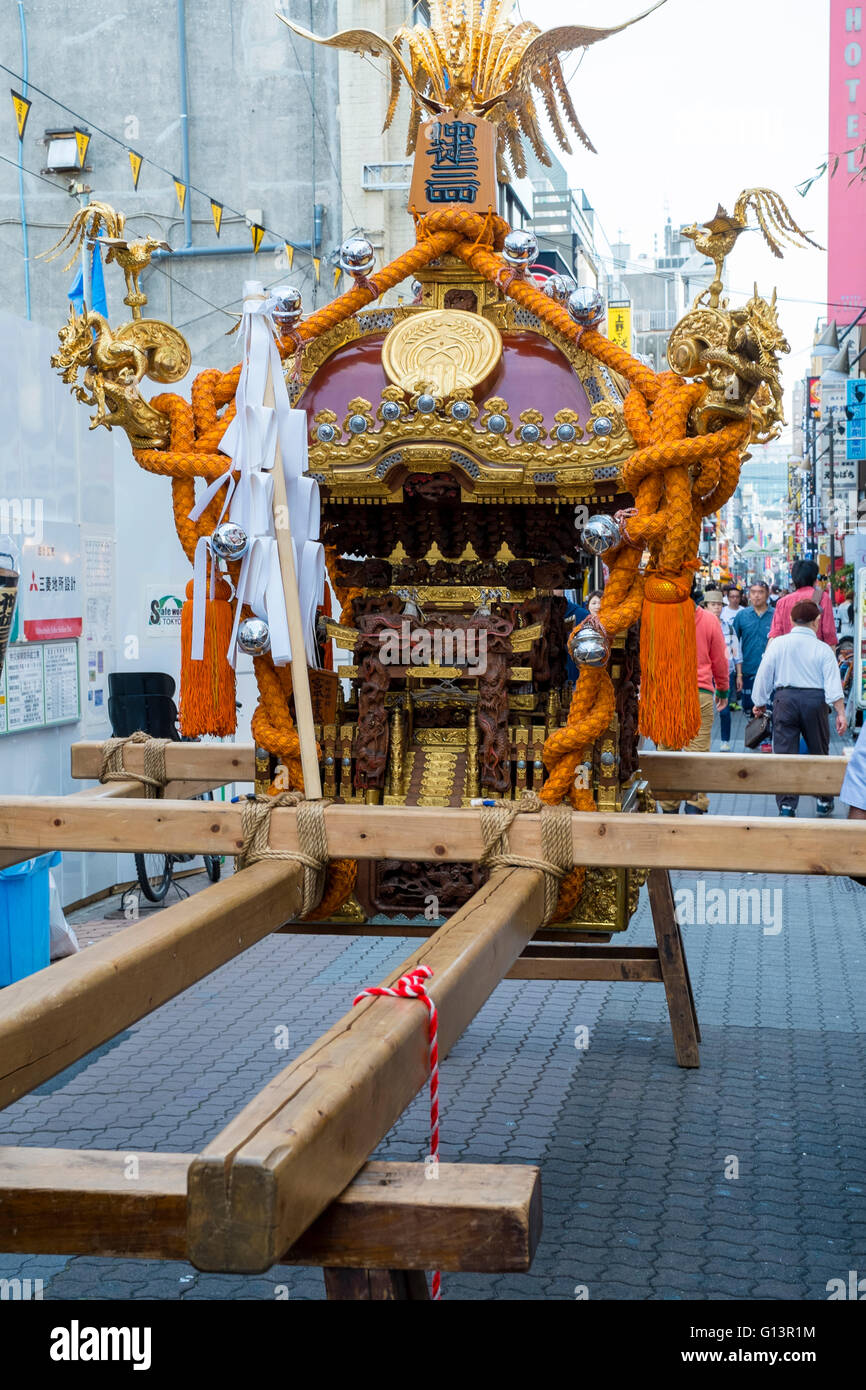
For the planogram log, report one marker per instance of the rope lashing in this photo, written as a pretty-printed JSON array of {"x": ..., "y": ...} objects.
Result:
[
  {"x": 154, "y": 777},
  {"x": 411, "y": 986},
  {"x": 312, "y": 851},
  {"x": 556, "y": 842}
]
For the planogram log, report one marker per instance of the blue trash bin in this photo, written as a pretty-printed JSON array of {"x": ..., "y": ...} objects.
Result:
[{"x": 25, "y": 933}]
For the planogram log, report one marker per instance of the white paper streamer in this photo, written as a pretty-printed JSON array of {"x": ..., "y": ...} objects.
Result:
[{"x": 250, "y": 442}]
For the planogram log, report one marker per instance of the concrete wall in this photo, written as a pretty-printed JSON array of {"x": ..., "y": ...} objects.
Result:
[
  {"x": 382, "y": 215},
  {"x": 49, "y": 455},
  {"x": 253, "y": 144}
]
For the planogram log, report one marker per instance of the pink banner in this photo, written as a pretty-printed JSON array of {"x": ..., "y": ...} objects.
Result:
[{"x": 846, "y": 291}]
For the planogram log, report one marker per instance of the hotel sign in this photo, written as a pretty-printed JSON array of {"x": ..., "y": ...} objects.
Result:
[{"x": 846, "y": 292}]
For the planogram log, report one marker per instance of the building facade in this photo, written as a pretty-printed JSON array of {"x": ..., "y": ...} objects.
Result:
[
  {"x": 260, "y": 110},
  {"x": 660, "y": 289}
]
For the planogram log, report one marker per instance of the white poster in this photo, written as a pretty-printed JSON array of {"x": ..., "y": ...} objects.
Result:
[
  {"x": 60, "y": 673},
  {"x": 99, "y": 590},
  {"x": 50, "y": 589},
  {"x": 25, "y": 694}
]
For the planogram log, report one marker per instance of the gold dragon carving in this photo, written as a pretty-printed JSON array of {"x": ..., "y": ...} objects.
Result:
[
  {"x": 116, "y": 360},
  {"x": 736, "y": 351}
]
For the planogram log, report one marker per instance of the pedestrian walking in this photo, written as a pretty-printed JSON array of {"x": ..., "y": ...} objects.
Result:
[
  {"x": 844, "y": 614},
  {"x": 713, "y": 600},
  {"x": 800, "y": 674},
  {"x": 804, "y": 574},
  {"x": 712, "y": 678},
  {"x": 752, "y": 626},
  {"x": 733, "y": 603}
]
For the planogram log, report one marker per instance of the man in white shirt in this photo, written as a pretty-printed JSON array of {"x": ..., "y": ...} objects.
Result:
[
  {"x": 733, "y": 604},
  {"x": 801, "y": 675}
]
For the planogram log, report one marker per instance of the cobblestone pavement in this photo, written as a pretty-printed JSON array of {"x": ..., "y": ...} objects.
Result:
[{"x": 742, "y": 1179}]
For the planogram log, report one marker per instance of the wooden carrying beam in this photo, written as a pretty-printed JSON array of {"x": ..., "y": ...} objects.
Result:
[
  {"x": 475, "y": 1218},
  {"x": 111, "y": 791},
  {"x": 666, "y": 772},
  {"x": 260, "y": 1183},
  {"x": 447, "y": 834},
  {"x": 221, "y": 762},
  {"x": 52, "y": 1018},
  {"x": 673, "y": 775}
]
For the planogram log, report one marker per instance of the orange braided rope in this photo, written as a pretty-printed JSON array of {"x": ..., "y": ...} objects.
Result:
[{"x": 675, "y": 479}]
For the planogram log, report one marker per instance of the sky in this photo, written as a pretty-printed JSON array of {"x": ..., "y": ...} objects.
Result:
[{"x": 691, "y": 106}]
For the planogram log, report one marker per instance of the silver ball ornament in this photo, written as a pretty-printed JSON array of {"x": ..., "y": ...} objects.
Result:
[
  {"x": 520, "y": 249},
  {"x": 229, "y": 541},
  {"x": 254, "y": 637},
  {"x": 600, "y": 533},
  {"x": 559, "y": 287},
  {"x": 588, "y": 647},
  {"x": 586, "y": 306},
  {"x": 357, "y": 255},
  {"x": 288, "y": 307}
]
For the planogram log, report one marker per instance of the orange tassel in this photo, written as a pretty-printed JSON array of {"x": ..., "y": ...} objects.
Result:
[
  {"x": 670, "y": 712},
  {"x": 207, "y": 687}
]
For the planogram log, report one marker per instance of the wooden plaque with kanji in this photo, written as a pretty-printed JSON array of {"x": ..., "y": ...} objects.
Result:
[{"x": 455, "y": 164}]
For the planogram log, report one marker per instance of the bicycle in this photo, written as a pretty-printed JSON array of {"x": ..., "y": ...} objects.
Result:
[
  {"x": 155, "y": 872},
  {"x": 144, "y": 700}
]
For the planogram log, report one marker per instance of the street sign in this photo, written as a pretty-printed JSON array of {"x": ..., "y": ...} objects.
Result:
[{"x": 856, "y": 411}]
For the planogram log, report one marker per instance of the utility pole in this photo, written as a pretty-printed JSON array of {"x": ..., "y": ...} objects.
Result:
[
  {"x": 831, "y": 425},
  {"x": 813, "y": 500}
]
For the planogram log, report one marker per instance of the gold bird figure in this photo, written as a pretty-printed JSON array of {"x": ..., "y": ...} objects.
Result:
[
  {"x": 716, "y": 239},
  {"x": 132, "y": 256},
  {"x": 475, "y": 59}
]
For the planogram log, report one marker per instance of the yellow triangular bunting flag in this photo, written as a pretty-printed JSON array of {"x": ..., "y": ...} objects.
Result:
[
  {"x": 82, "y": 140},
  {"x": 216, "y": 212},
  {"x": 22, "y": 111},
  {"x": 135, "y": 163},
  {"x": 180, "y": 190},
  {"x": 337, "y": 273},
  {"x": 256, "y": 232},
  {"x": 317, "y": 266},
  {"x": 290, "y": 253}
]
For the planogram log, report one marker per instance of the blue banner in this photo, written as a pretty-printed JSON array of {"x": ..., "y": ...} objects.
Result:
[{"x": 75, "y": 293}]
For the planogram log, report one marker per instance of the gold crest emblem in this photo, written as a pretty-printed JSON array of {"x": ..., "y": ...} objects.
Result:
[{"x": 442, "y": 351}]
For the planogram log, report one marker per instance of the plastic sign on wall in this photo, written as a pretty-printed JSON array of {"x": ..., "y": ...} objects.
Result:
[
  {"x": 619, "y": 325},
  {"x": 855, "y": 409},
  {"x": 163, "y": 611},
  {"x": 50, "y": 594}
]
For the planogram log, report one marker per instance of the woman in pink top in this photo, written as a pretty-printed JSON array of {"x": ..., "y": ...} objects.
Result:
[
  {"x": 804, "y": 573},
  {"x": 712, "y": 675}
]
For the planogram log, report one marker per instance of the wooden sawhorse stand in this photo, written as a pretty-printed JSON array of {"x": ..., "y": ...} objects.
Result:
[{"x": 664, "y": 963}]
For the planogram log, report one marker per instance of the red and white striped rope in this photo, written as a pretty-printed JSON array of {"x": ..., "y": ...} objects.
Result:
[{"x": 412, "y": 986}]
